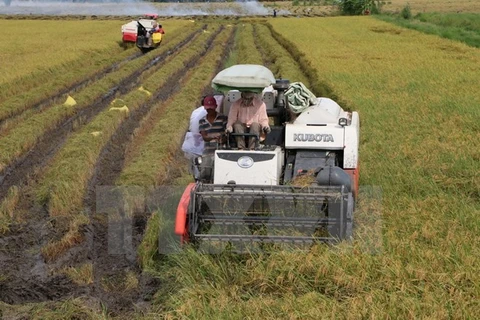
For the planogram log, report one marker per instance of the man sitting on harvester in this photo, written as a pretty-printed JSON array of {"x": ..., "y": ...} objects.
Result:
[
  {"x": 212, "y": 128},
  {"x": 248, "y": 115}
]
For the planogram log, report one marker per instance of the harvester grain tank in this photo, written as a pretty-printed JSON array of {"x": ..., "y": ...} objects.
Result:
[{"x": 299, "y": 185}]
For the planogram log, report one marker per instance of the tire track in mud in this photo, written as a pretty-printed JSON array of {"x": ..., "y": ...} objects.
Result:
[
  {"x": 108, "y": 169},
  {"x": 24, "y": 274},
  {"x": 18, "y": 173},
  {"x": 78, "y": 85}
]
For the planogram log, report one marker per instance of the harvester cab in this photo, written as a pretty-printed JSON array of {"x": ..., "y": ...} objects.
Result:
[{"x": 299, "y": 185}]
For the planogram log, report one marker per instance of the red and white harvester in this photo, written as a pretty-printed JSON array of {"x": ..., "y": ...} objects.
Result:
[{"x": 130, "y": 30}]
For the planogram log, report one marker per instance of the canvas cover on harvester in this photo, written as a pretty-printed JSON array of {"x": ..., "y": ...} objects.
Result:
[{"x": 243, "y": 77}]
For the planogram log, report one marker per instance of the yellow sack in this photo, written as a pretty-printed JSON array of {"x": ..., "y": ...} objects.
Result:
[
  {"x": 70, "y": 102},
  {"x": 145, "y": 90},
  {"x": 157, "y": 37},
  {"x": 122, "y": 109}
]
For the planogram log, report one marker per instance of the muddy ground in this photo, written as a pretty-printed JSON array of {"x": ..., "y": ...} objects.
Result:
[{"x": 118, "y": 282}]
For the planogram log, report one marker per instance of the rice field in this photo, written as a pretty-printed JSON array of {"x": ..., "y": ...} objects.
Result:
[{"x": 415, "y": 253}]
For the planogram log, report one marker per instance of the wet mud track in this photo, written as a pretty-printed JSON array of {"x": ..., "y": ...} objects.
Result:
[
  {"x": 116, "y": 267},
  {"x": 24, "y": 275}
]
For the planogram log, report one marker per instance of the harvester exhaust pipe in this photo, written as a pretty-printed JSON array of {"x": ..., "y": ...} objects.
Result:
[{"x": 281, "y": 85}]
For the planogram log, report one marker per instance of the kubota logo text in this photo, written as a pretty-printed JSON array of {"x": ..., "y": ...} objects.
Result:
[{"x": 313, "y": 137}]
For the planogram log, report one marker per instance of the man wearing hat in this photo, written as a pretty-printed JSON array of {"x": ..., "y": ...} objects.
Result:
[{"x": 212, "y": 128}]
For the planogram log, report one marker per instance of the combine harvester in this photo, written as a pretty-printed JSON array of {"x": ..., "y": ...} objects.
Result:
[
  {"x": 136, "y": 32},
  {"x": 298, "y": 186}
]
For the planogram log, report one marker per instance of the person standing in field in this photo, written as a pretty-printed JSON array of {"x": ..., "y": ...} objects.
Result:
[
  {"x": 159, "y": 29},
  {"x": 156, "y": 28},
  {"x": 248, "y": 115}
]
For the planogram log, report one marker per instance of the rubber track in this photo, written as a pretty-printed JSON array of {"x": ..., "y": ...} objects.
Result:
[{"x": 46, "y": 147}]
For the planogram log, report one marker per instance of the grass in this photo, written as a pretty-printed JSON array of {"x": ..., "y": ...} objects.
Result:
[
  {"x": 7, "y": 209},
  {"x": 442, "y": 6},
  {"x": 232, "y": 57},
  {"x": 122, "y": 282},
  {"x": 26, "y": 133},
  {"x": 463, "y": 27},
  {"x": 57, "y": 45},
  {"x": 282, "y": 64},
  {"x": 246, "y": 45},
  {"x": 148, "y": 248},
  {"x": 417, "y": 98},
  {"x": 27, "y": 92},
  {"x": 467, "y": 21},
  {"x": 63, "y": 185},
  {"x": 74, "y": 164},
  {"x": 77, "y": 308},
  {"x": 81, "y": 275},
  {"x": 325, "y": 8},
  {"x": 53, "y": 69},
  {"x": 57, "y": 48},
  {"x": 308, "y": 8},
  {"x": 23, "y": 136}
]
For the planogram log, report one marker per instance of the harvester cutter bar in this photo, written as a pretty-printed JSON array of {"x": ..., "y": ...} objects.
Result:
[
  {"x": 236, "y": 213},
  {"x": 264, "y": 238},
  {"x": 217, "y": 218}
]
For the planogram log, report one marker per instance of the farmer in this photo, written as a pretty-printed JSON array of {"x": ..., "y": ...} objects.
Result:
[
  {"x": 212, "y": 128},
  {"x": 193, "y": 145},
  {"x": 156, "y": 28},
  {"x": 248, "y": 115}
]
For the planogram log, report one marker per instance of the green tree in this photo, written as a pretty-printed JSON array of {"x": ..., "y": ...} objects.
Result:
[{"x": 357, "y": 7}]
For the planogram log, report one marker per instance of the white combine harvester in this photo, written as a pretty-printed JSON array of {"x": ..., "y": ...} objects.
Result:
[{"x": 298, "y": 186}]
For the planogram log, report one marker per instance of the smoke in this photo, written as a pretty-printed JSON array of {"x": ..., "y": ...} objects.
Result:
[
  {"x": 74, "y": 7},
  {"x": 130, "y": 7}
]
